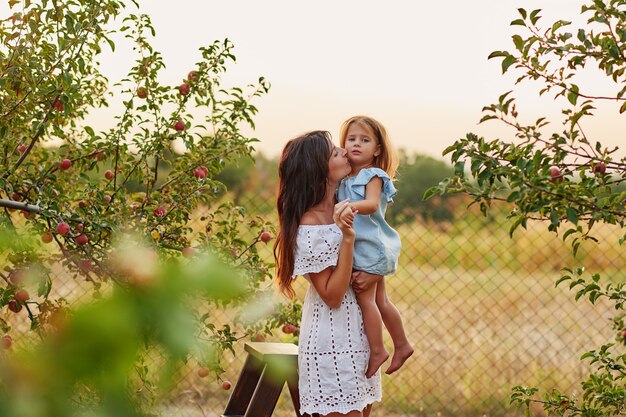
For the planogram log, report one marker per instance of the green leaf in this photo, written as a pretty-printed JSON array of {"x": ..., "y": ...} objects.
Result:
[
  {"x": 507, "y": 62},
  {"x": 518, "y": 22},
  {"x": 522, "y": 12},
  {"x": 513, "y": 196},
  {"x": 111, "y": 44},
  {"x": 562, "y": 279},
  {"x": 496, "y": 54},
  {"x": 430, "y": 192},
  {"x": 572, "y": 94},
  {"x": 534, "y": 16},
  {"x": 622, "y": 109},
  {"x": 571, "y": 215},
  {"x": 518, "y": 41},
  {"x": 554, "y": 218},
  {"x": 515, "y": 225}
]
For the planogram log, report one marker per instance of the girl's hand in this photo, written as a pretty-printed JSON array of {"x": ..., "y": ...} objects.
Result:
[
  {"x": 347, "y": 216},
  {"x": 344, "y": 217},
  {"x": 361, "y": 281}
]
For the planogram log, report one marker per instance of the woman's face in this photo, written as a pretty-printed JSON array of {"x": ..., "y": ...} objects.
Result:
[{"x": 338, "y": 164}]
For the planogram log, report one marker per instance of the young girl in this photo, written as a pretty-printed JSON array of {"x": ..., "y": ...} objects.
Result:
[{"x": 377, "y": 246}]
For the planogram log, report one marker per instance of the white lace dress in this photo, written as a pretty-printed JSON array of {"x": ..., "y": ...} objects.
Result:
[{"x": 333, "y": 350}]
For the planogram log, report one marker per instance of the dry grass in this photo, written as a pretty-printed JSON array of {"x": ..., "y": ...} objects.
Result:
[{"x": 480, "y": 308}]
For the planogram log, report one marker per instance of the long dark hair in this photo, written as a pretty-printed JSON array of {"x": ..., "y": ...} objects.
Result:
[{"x": 302, "y": 179}]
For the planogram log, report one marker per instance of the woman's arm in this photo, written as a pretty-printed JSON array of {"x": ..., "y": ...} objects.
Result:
[
  {"x": 331, "y": 283},
  {"x": 369, "y": 205}
]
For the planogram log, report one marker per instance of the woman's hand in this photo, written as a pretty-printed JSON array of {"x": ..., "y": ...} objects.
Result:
[
  {"x": 361, "y": 281},
  {"x": 344, "y": 217}
]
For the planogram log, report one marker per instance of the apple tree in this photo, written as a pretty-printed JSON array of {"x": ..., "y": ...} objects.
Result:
[
  {"x": 562, "y": 175},
  {"x": 94, "y": 200}
]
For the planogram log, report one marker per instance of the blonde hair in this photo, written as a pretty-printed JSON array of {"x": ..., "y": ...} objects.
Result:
[{"x": 387, "y": 160}]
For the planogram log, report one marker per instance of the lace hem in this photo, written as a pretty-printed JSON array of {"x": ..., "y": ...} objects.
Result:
[
  {"x": 324, "y": 409},
  {"x": 318, "y": 267}
]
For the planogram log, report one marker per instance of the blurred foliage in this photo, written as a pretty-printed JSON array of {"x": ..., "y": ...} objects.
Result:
[{"x": 94, "y": 348}]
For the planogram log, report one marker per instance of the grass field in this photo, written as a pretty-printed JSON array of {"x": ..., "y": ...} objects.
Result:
[
  {"x": 484, "y": 315},
  {"x": 480, "y": 308}
]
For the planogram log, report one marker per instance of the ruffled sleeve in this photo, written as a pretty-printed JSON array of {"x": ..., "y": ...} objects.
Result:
[
  {"x": 364, "y": 177},
  {"x": 317, "y": 248}
]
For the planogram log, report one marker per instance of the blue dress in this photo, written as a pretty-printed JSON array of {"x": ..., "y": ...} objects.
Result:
[{"x": 377, "y": 245}]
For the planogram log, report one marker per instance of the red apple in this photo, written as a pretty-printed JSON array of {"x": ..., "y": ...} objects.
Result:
[
  {"x": 16, "y": 196},
  {"x": 22, "y": 295},
  {"x": 183, "y": 89},
  {"x": 63, "y": 228},
  {"x": 46, "y": 237},
  {"x": 65, "y": 164},
  {"x": 57, "y": 105},
  {"x": 85, "y": 265},
  {"x": 179, "y": 126},
  {"x": 142, "y": 92},
  {"x": 22, "y": 148},
  {"x": 555, "y": 174},
  {"x": 259, "y": 337},
  {"x": 82, "y": 204},
  {"x": 188, "y": 252},
  {"x": 624, "y": 334},
  {"x": 226, "y": 385},
  {"x": 81, "y": 239},
  {"x": 14, "y": 306},
  {"x": 598, "y": 168},
  {"x": 192, "y": 76},
  {"x": 28, "y": 215},
  {"x": 107, "y": 198},
  {"x": 200, "y": 173},
  {"x": 159, "y": 212},
  {"x": 289, "y": 328},
  {"x": 6, "y": 342},
  {"x": 203, "y": 372},
  {"x": 265, "y": 237},
  {"x": 16, "y": 277},
  {"x": 108, "y": 174}
]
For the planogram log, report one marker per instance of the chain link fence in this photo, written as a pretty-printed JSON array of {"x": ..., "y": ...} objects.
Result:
[{"x": 480, "y": 308}]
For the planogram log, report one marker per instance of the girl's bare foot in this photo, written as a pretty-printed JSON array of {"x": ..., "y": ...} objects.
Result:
[
  {"x": 400, "y": 355},
  {"x": 376, "y": 360}
]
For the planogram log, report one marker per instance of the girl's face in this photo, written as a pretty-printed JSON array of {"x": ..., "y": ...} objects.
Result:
[
  {"x": 362, "y": 146},
  {"x": 338, "y": 164}
]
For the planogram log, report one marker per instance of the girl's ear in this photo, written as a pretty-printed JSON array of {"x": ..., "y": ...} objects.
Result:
[{"x": 378, "y": 150}]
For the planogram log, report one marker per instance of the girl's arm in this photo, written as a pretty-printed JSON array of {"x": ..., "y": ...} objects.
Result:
[
  {"x": 331, "y": 283},
  {"x": 369, "y": 205}
]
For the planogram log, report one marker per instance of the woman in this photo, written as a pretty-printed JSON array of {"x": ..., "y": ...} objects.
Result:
[{"x": 314, "y": 242}]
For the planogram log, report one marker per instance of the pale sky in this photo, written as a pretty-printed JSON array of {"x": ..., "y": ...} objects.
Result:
[{"x": 419, "y": 67}]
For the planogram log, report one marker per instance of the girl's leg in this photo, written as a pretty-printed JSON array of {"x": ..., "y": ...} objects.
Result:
[
  {"x": 367, "y": 410},
  {"x": 373, "y": 324},
  {"x": 402, "y": 348}
]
